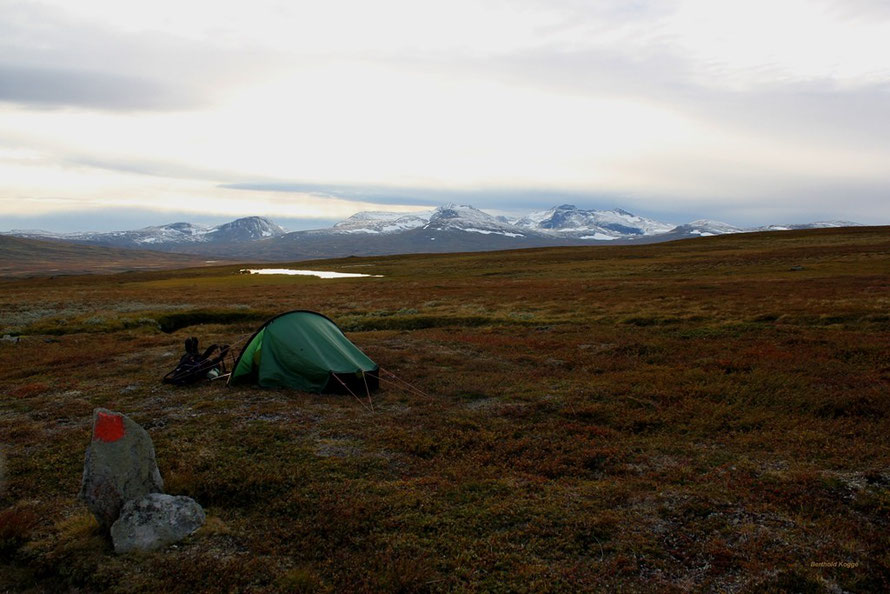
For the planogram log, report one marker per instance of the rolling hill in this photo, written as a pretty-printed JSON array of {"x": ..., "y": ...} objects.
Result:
[{"x": 29, "y": 257}]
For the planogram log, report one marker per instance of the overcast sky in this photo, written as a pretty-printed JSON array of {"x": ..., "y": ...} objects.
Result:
[{"x": 117, "y": 114}]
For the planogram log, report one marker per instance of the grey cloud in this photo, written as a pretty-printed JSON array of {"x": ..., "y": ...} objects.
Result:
[
  {"x": 861, "y": 9},
  {"x": 121, "y": 219},
  {"x": 55, "y": 87},
  {"x": 155, "y": 168},
  {"x": 807, "y": 111},
  {"x": 757, "y": 198},
  {"x": 605, "y": 10},
  {"x": 807, "y": 201},
  {"x": 47, "y": 60},
  {"x": 504, "y": 198},
  {"x": 779, "y": 200},
  {"x": 370, "y": 193}
]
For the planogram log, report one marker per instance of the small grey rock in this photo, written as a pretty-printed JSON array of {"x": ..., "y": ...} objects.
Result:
[
  {"x": 119, "y": 465},
  {"x": 154, "y": 522}
]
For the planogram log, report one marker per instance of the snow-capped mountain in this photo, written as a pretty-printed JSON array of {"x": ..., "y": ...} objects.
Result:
[
  {"x": 706, "y": 228},
  {"x": 448, "y": 228},
  {"x": 567, "y": 220},
  {"x": 450, "y": 217},
  {"x": 173, "y": 234},
  {"x": 560, "y": 221},
  {"x": 814, "y": 225},
  {"x": 460, "y": 217},
  {"x": 246, "y": 229},
  {"x": 161, "y": 234},
  {"x": 382, "y": 222}
]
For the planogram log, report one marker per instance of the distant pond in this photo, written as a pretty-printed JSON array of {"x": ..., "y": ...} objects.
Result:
[{"x": 318, "y": 273}]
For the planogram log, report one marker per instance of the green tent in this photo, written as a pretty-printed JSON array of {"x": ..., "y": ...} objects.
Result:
[{"x": 303, "y": 350}]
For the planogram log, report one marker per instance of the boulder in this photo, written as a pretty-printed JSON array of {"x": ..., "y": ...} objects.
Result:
[
  {"x": 155, "y": 521},
  {"x": 119, "y": 466}
]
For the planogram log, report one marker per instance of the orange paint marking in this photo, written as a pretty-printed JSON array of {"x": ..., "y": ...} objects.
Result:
[{"x": 108, "y": 427}]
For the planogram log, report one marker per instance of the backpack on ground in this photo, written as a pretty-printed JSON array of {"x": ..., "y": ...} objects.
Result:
[{"x": 194, "y": 367}]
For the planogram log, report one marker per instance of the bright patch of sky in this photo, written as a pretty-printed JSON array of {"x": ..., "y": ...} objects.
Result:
[{"x": 753, "y": 112}]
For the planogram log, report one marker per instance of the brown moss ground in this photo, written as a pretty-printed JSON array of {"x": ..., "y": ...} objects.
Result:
[{"x": 697, "y": 415}]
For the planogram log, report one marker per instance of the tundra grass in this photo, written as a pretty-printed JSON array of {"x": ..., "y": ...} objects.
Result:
[{"x": 707, "y": 415}]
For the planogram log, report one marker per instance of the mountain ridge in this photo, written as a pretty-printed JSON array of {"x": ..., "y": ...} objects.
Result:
[
  {"x": 447, "y": 228},
  {"x": 243, "y": 229}
]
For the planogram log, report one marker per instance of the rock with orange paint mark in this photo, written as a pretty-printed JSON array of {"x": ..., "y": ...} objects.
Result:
[{"x": 119, "y": 466}]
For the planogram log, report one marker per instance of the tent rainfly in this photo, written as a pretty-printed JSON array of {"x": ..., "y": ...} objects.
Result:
[{"x": 303, "y": 350}]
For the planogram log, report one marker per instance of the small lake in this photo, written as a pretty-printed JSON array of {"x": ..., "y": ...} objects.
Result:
[{"x": 318, "y": 273}]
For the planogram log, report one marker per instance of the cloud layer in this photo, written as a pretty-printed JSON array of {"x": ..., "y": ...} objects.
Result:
[{"x": 753, "y": 112}]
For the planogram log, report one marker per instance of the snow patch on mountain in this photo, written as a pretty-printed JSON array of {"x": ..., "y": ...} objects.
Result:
[
  {"x": 462, "y": 217},
  {"x": 377, "y": 222},
  {"x": 491, "y": 232},
  {"x": 813, "y": 225},
  {"x": 706, "y": 228},
  {"x": 599, "y": 237},
  {"x": 567, "y": 220},
  {"x": 450, "y": 217},
  {"x": 245, "y": 229}
]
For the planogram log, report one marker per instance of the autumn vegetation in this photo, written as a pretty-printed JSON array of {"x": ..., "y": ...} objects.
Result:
[{"x": 709, "y": 414}]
